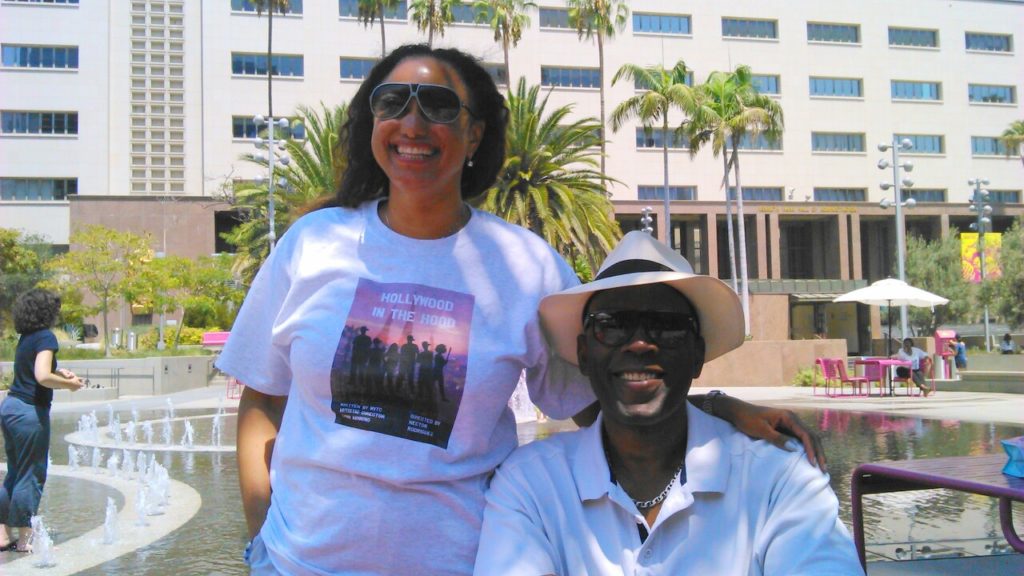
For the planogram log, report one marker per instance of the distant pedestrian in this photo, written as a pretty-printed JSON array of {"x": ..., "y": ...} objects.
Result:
[
  {"x": 1006, "y": 345},
  {"x": 959, "y": 349}
]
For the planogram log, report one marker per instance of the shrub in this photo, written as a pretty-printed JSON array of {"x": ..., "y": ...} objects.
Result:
[{"x": 806, "y": 377}]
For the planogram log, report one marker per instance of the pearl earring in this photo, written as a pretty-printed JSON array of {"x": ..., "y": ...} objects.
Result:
[{"x": 469, "y": 163}]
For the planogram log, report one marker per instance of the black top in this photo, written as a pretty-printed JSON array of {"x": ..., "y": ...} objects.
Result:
[{"x": 25, "y": 385}]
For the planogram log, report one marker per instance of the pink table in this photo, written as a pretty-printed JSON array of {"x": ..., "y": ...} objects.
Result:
[{"x": 883, "y": 367}]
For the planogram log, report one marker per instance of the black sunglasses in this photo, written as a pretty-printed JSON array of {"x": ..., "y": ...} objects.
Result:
[
  {"x": 665, "y": 329},
  {"x": 438, "y": 104}
]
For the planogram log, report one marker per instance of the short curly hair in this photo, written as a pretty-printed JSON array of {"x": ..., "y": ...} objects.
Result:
[
  {"x": 364, "y": 180},
  {"x": 35, "y": 310}
]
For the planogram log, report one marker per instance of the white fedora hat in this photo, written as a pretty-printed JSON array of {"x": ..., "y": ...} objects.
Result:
[{"x": 640, "y": 259}]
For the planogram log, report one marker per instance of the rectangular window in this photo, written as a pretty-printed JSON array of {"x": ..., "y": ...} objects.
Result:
[
  {"x": 765, "y": 83},
  {"x": 749, "y": 28},
  {"x": 466, "y": 14},
  {"x": 661, "y": 23},
  {"x": 245, "y": 127},
  {"x": 34, "y": 189},
  {"x": 837, "y": 142},
  {"x": 840, "y": 194},
  {"x": 256, "y": 65},
  {"x": 638, "y": 85},
  {"x": 924, "y": 143},
  {"x": 992, "y": 93},
  {"x": 357, "y": 68},
  {"x": 658, "y": 192},
  {"x": 554, "y": 18},
  {"x": 657, "y": 137},
  {"x": 294, "y": 6},
  {"x": 990, "y": 146},
  {"x": 989, "y": 42},
  {"x": 924, "y": 194},
  {"x": 570, "y": 77},
  {"x": 845, "y": 87},
  {"x": 760, "y": 143},
  {"x": 54, "y": 123},
  {"x": 913, "y": 37},
  {"x": 758, "y": 193},
  {"x": 350, "y": 8},
  {"x": 1004, "y": 196},
  {"x": 75, "y": 2},
  {"x": 839, "y": 33},
  {"x": 55, "y": 57},
  {"x": 908, "y": 90},
  {"x": 497, "y": 72}
]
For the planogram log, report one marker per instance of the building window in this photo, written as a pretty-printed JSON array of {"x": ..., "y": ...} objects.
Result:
[
  {"x": 356, "y": 68},
  {"x": 991, "y": 93},
  {"x": 990, "y": 146},
  {"x": 749, "y": 28},
  {"x": 989, "y": 42},
  {"x": 54, "y": 123},
  {"x": 1004, "y": 196},
  {"x": 847, "y": 87},
  {"x": 840, "y": 194},
  {"x": 245, "y": 127},
  {"x": 350, "y": 8},
  {"x": 838, "y": 33},
  {"x": 570, "y": 77},
  {"x": 758, "y": 193},
  {"x": 497, "y": 72},
  {"x": 639, "y": 85},
  {"x": 256, "y": 65},
  {"x": 554, "y": 18},
  {"x": 687, "y": 193},
  {"x": 32, "y": 189},
  {"x": 924, "y": 143},
  {"x": 837, "y": 142},
  {"x": 75, "y": 2},
  {"x": 294, "y": 6},
  {"x": 765, "y": 83},
  {"x": 657, "y": 137},
  {"x": 466, "y": 14},
  {"x": 760, "y": 143},
  {"x": 924, "y": 194},
  {"x": 908, "y": 90},
  {"x": 57, "y": 57},
  {"x": 913, "y": 37},
  {"x": 661, "y": 23}
]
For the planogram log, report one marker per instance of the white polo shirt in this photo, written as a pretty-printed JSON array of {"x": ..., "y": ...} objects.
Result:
[{"x": 746, "y": 508}]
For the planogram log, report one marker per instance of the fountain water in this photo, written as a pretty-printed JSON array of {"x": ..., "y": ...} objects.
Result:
[
  {"x": 112, "y": 463},
  {"x": 110, "y": 533},
  {"x": 127, "y": 463},
  {"x": 170, "y": 409},
  {"x": 215, "y": 432},
  {"x": 129, "y": 431},
  {"x": 147, "y": 431},
  {"x": 73, "y": 457},
  {"x": 140, "y": 506},
  {"x": 167, "y": 429},
  {"x": 42, "y": 544},
  {"x": 97, "y": 458},
  {"x": 187, "y": 440}
]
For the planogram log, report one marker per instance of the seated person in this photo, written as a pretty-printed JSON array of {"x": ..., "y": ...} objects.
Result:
[
  {"x": 919, "y": 362},
  {"x": 1006, "y": 345},
  {"x": 655, "y": 482}
]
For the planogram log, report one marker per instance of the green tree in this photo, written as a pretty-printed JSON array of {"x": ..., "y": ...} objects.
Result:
[
  {"x": 158, "y": 285},
  {"x": 21, "y": 268},
  {"x": 663, "y": 91},
  {"x": 433, "y": 16},
  {"x": 212, "y": 297},
  {"x": 935, "y": 267},
  {"x": 508, "y": 19},
  {"x": 104, "y": 262},
  {"x": 1006, "y": 293},
  {"x": 731, "y": 110},
  {"x": 370, "y": 10},
  {"x": 550, "y": 183},
  {"x": 270, "y": 6},
  {"x": 312, "y": 174},
  {"x": 1013, "y": 139},
  {"x": 601, "y": 20}
]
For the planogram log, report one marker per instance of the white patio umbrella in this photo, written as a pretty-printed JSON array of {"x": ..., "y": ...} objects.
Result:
[{"x": 892, "y": 292}]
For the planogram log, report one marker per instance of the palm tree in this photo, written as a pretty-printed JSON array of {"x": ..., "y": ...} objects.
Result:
[
  {"x": 313, "y": 173},
  {"x": 599, "y": 19},
  {"x": 508, "y": 19},
  {"x": 369, "y": 10},
  {"x": 550, "y": 183},
  {"x": 733, "y": 109},
  {"x": 281, "y": 6},
  {"x": 665, "y": 90},
  {"x": 1013, "y": 139},
  {"x": 433, "y": 16}
]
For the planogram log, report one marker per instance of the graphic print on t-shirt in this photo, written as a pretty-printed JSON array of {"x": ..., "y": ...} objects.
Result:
[{"x": 400, "y": 365}]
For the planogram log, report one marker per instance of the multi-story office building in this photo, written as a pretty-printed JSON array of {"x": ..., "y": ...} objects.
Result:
[{"x": 133, "y": 113}]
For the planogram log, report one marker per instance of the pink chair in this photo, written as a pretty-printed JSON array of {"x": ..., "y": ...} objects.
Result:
[
  {"x": 874, "y": 373},
  {"x": 828, "y": 373},
  {"x": 856, "y": 382}
]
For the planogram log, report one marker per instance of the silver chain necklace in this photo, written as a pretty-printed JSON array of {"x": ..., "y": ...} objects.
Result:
[{"x": 647, "y": 504}]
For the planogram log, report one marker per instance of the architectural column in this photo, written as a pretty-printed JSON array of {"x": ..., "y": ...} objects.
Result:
[
  {"x": 762, "y": 247},
  {"x": 855, "y": 248},
  {"x": 943, "y": 225},
  {"x": 844, "y": 246},
  {"x": 711, "y": 228},
  {"x": 774, "y": 236}
]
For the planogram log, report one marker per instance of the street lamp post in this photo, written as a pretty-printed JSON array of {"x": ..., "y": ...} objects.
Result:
[
  {"x": 274, "y": 151},
  {"x": 982, "y": 225},
  {"x": 898, "y": 204}
]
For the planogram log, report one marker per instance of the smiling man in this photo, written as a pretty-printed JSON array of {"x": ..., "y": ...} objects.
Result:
[{"x": 656, "y": 486}]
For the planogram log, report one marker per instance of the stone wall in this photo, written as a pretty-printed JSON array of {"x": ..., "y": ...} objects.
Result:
[{"x": 767, "y": 362}]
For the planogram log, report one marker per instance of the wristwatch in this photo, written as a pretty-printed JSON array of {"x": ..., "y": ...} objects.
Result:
[{"x": 709, "y": 401}]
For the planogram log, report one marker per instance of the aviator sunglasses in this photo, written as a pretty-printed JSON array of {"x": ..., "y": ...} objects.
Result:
[
  {"x": 438, "y": 104},
  {"x": 665, "y": 329}
]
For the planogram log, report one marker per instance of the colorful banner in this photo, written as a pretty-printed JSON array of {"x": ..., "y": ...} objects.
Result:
[{"x": 970, "y": 261}]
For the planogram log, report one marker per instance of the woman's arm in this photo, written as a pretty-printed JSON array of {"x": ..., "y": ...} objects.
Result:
[
  {"x": 45, "y": 376},
  {"x": 772, "y": 424},
  {"x": 259, "y": 419}
]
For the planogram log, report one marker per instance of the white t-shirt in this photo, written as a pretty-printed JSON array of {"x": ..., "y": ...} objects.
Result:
[
  {"x": 745, "y": 508},
  {"x": 915, "y": 356},
  {"x": 383, "y": 454}
]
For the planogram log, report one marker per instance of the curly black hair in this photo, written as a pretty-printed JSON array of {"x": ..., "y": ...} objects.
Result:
[
  {"x": 35, "y": 310},
  {"x": 364, "y": 180}
]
